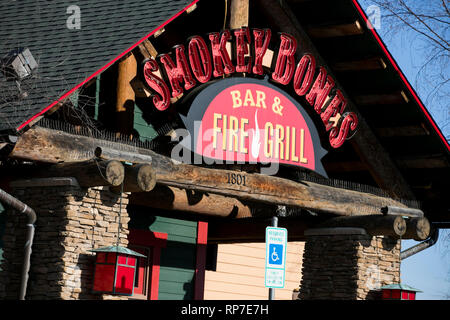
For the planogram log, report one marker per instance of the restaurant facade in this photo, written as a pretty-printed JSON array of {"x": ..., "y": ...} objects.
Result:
[{"x": 145, "y": 149}]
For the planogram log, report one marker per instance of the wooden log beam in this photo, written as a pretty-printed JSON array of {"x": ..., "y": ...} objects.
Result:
[
  {"x": 171, "y": 198},
  {"x": 382, "y": 168},
  {"x": 253, "y": 187},
  {"x": 147, "y": 49},
  {"x": 239, "y": 10},
  {"x": 402, "y": 131},
  {"x": 375, "y": 225},
  {"x": 408, "y": 212},
  {"x": 345, "y": 166},
  {"x": 89, "y": 173},
  {"x": 335, "y": 30},
  {"x": 140, "y": 177},
  {"x": 417, "y": 228},
  {"x": 127, "y": 70},
  {"x": 424, "y": 161},
  {"x": 398, "y": 97},
  {"x": 126, "y": 156},
  {"x": 372, "y": 63},
  {"x": 268, "y": 189},
  {"x": 253, "y": 230}
]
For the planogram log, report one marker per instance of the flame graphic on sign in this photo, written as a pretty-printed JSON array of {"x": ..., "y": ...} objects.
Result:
[{"x": 256, "y": 143}]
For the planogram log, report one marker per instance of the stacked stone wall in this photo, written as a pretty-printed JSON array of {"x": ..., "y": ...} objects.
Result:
[
  {"x": 70, "y": 222},
  {"x": 348, "y": 266}
]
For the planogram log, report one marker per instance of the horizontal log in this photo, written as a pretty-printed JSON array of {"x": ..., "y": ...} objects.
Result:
[
  {"x": 419, "y": 162},
  {"x": 345, "y": 166},
  {"x": 336, "y": 30},
  {"x": 253, "y": 230},
  {"x": 381, "y": 98},
  {"x": 170, "y": 198},
  {"x": 138, "y": 178},
  {"x": 402, "y": 131},
  {"x": 88, "y": 173},
  {"x": 253, "y": 187},
  {"x": 396, "y": 211},
  {"x": 374, "y": 225},
  {"x": 372, "y": 63},
  {"x": 417, "y": 228},
  {"x": 126, "y": 156}
]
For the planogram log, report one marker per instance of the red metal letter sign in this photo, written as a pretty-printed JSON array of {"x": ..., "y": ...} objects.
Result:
[
  {"x": 177, "y": 73},
  {"x": 320, "y": 90},
  {"x": 242, "y": 42},
  {"x": 261, "y": 43},
  {"x": 220, "y": 54},
  {"x": 155, "y": 83},
  {"x": 284, "y": 69},
  {"x": 198, "y": 57},
  {"x": 338, "y": 135},
  {"x": 302, "y": 84},
  {"x": 333, "y": 109},
  {"x": 206, "y": 62}
]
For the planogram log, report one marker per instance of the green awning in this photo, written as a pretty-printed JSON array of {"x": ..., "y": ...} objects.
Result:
[
  {"x": 401, "y": 287},
  {"x": 118, "y": 249}
]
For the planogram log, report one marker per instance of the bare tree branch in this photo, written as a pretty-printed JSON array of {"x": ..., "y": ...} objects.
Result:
[{"x": 426, "y": 25}]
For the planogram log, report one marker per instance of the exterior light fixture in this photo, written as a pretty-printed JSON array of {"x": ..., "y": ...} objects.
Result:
[
  {"x": 115, "y": 269},
  {"x": 398, "y": 292},
  {"x": 19, "y": 64}
]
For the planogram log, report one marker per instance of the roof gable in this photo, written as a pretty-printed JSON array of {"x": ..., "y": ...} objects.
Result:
[{"x": 68, "y": 57}]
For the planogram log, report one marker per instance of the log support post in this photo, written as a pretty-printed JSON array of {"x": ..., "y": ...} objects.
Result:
[
  {"x": 125, "y": 94},
  {"x": 345, "y": 263},
  {"x": 239, "y": 10}
]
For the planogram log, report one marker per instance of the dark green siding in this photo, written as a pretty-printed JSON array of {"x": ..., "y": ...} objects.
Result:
[
  {"x": 176, "y": 279},
  {"x": 145, "y": 130}
]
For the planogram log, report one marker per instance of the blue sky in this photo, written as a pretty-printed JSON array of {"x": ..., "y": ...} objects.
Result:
[{"x": 428, "y": 270}]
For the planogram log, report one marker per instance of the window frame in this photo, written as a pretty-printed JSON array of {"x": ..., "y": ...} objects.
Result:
[{"x": 152, "y": 242}]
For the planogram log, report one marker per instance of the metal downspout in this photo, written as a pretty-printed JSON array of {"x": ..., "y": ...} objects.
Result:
[
  {"x": 23, "y": 208},
  {"x": 432, "y": 239}
]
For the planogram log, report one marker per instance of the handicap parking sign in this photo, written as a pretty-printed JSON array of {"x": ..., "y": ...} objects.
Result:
[
  {"x": 276, "y": 242},
  {"x": 275, "y": 254}
]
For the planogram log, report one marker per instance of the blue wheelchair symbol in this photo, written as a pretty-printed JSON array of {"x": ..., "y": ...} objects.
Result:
[{"x": 275, "y": 254}]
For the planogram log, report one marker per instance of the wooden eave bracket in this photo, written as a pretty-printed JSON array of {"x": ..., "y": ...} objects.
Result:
[{"x": 335, "y": 30}]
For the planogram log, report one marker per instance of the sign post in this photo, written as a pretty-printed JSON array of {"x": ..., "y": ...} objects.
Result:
[{"x": 276, "y": 242}]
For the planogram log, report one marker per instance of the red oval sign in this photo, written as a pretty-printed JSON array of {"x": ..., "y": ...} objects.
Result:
[{"x": 251, "y": 121}]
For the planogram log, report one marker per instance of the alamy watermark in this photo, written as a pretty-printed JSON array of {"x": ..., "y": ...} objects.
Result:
[
  {"x": 374, "y": 17},
  {"x": 211, "y": 154},
  {"x": 73, "y": 22}
]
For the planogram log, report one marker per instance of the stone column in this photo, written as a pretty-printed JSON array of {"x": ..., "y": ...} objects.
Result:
[
  {"x": 70, "y": 222},
  {"x": 347, "y": 264}
]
